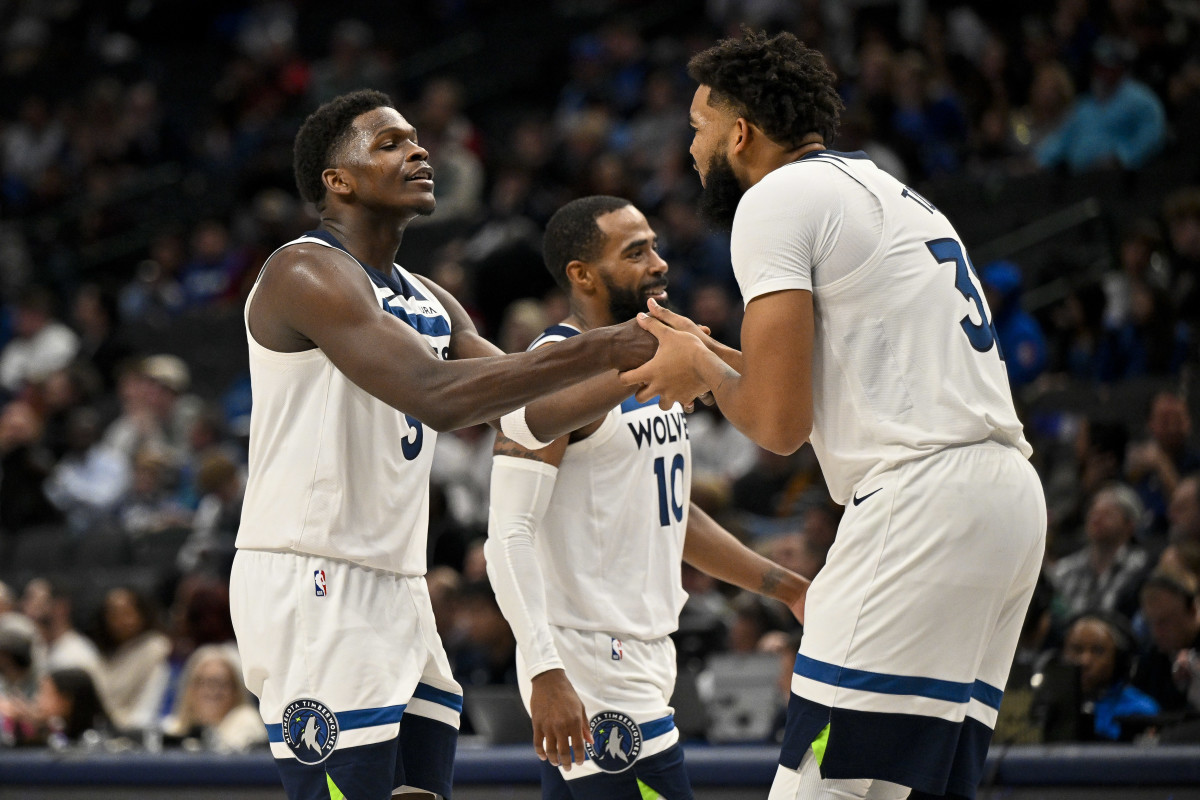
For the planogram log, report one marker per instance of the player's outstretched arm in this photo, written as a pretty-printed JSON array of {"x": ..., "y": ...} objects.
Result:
[
  {"x": 323, "y": 298},
  {"x": 522, "y": 484},
  {"x": 710, "y": 548},
  {"x": 770, "y": 400},
  {"x": 553, "y": 415}
]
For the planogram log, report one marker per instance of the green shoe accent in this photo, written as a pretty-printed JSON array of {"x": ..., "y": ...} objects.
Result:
[
  {"x": 334, "y": 792},
  {"x": 820, "y": 743},
  {"x": 647, "y": 792}
]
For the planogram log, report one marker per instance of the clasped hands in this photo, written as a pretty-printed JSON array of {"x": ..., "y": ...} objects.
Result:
[{"x": 673, "y": 374}]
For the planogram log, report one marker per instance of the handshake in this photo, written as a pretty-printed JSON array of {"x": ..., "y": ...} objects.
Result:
[{"x": 662, "y": 354}]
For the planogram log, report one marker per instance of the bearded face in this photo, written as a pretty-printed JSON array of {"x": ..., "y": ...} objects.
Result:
[{"x": 720, "y": 194}]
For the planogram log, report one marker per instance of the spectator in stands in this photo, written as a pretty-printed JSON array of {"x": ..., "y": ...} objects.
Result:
[
  {"x": 1051, "y": 96},
  {"x": 1151, "y": 341},
  {"x": 1101, "y": 644},
  {"x": 928, "y": 117},
  {"x": 101, "y": 343},
  {"x": 133, "y": 669},
  {"x": 49, "y": 604},
  {"x": 753, "y": 618},
  {"x": 151, "y": 506},
  {"x": 214, "y": 527},
  {"x": 1156, "y": 465},
  {"x": 1079, "y": 335},
  {"x": 1181, "y": 211},
  {"x": 486, "y": 654},
  {"x": 445, "y": 130},
  {"x": 156, "y": 410},
  {"x": 7, "y": 602},
  {"x": 20, "y": 666},
  {"x": 154, "y": 296},
  {"x": 67, "y": 706},
  {"x": 1181, "y": 558},
  {"x": 24, "y": 466},
  {"x": 1171, "y": 612},
  {"x": 1183, "y": 513},
  {"x": 213, "y": 272},
  {"x": 1121, "y": 122},
  {"x": 42, "y": 344},
  {"x": 91, "y": 478},
  {"x": 213, "y": 706},
  {"x": 1020, "y": 336},
  {"x": 352, "y": 63},
  {"x": 1107, "y": 572},
  {"x": 1142, "y": 264}
]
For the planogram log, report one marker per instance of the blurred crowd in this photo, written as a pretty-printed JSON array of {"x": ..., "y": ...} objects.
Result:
[{"x": 145, "y": 175}]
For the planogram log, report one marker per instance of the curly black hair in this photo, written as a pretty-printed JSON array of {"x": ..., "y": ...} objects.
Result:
[
  {"x": 323, "y": 133},
  {"x": 774, "y": 82},
  {"x": 573, "y": 235}
]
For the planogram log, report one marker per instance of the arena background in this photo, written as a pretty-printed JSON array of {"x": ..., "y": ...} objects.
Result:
[{"x": 146, "y": 175}]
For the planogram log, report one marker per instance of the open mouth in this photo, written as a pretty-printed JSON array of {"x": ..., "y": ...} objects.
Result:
[{"x": 420, "y": 174}]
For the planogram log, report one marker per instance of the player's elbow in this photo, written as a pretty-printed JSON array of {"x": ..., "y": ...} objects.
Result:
[{"x": 787, "y": 435}]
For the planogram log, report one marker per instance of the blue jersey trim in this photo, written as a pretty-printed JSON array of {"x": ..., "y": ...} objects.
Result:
[
  {"x": 857, "y": 155},
  {"x": 884, "y": 683},
  {"x": 631, "y": 404},
  {"x": 440, "y": 696},
  {"x": 351, "y": 720},
  {"x": 657, "y": 727},
  {"x": 428, "y": 326},
  {"x": 395, "y": 281}
]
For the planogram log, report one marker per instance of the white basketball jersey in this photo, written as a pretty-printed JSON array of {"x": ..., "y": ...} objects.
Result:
[
  {"x": 905, "y": 358},
  {"x": 335, "y": 471},
  {"x": 611, "y": 542}
]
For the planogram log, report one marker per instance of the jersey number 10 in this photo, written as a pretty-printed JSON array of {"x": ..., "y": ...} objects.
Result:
[{"x": 666, "y": 483}]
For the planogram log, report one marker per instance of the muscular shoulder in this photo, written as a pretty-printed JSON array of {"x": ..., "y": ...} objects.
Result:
[{"x": 302, "y": 285}]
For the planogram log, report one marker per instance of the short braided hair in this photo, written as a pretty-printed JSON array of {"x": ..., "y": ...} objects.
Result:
[
  {"x": 775, "y": 82},
  {"x": 323, "y": 133}
]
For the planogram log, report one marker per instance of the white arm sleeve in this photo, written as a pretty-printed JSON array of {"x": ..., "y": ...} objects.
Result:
[
  {"x": 521, "y": 491},
  {"x": 514, "y": 426}
]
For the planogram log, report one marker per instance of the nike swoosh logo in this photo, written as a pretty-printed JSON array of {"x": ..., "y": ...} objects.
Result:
[{"x": 858, "y": 499}]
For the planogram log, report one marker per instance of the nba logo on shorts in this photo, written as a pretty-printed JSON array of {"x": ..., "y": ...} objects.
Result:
[
  {"x": 617, "y": 652},
  {"x": 319, "y": 581}
]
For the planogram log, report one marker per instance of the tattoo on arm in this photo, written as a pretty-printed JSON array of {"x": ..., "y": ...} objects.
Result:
[
  {"x": 770, "y": 581},
  {"x": 507, "y": 447}
]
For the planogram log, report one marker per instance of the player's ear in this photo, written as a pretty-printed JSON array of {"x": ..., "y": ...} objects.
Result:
[
  {"x": 336, "y": 181},
  {"x": 740, "y": 135},
  {"x": 581, "y": 274}
]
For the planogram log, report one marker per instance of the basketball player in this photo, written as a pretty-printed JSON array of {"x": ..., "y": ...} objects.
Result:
[
  {"x": 356, "y": 365},
  {"x": 586, "y": 536},
  {"x": 866, "y": 332}
]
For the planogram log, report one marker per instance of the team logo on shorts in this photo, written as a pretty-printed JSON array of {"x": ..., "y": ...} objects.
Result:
[
  {"x": 618, "y": 740},
  {"x": 310, "y": 730}
]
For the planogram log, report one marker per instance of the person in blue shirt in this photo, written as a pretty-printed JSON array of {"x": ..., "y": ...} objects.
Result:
[
  {"x": 1101, "y": 645},
  {"x": 1021, "y": 339},
  {"x": 1121, "y": 122}
]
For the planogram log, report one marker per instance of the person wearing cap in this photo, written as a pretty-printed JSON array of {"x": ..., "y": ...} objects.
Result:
[
  {"x": 1020, "y": 335},
  {"x": 1120, "y": 122}
]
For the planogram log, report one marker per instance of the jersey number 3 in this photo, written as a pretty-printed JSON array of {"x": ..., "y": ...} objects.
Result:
[{"x": 982, "y": 334}]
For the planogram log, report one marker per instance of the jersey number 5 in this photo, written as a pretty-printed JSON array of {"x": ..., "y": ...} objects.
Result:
[
  {"x": 410, "y": 445},
  {"x": 666, "y": 483},
  {"x": 982, "y": 334}
]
